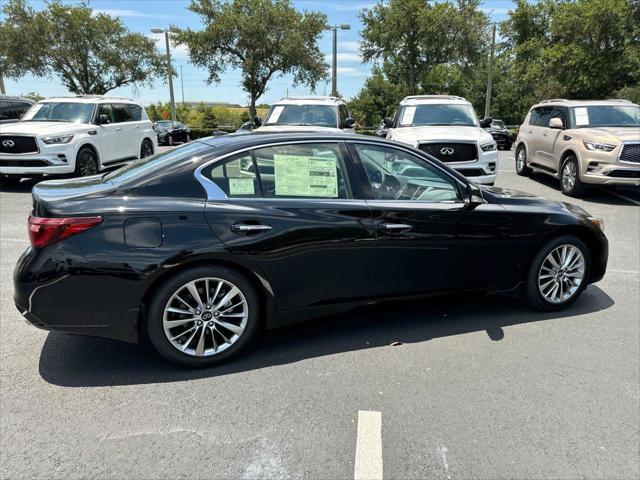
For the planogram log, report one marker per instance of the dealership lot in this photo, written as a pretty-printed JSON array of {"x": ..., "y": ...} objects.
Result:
[{"x": 477, "y": 388}]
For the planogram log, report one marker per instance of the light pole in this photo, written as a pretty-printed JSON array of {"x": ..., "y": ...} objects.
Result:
[
  {"x": 334, "y": 74},
  {"x": 182, "y": 84},
  {"x": 487, "y": 102},
  {"x": 169, "y": 70}
]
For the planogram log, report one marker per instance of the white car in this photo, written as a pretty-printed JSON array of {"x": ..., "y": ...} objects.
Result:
[
  {"x": 319, "y": 114},
  {"x": 447, "y": 128},
  {"x": 75, "y": 135}
]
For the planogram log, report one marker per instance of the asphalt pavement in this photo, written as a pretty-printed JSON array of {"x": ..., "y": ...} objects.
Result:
[{"x": 473, "y": 388}]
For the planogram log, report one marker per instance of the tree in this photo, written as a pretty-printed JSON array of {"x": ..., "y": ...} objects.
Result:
[
  {"x": 262, "y": 38},
  {"x": 377, "y": 99},
  {"x": 90, "y": 53}
]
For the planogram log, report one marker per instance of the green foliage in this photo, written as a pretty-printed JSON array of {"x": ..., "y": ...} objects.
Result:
[
  {"x": 378, "y": 98},
  {"x": 35, "y": 96},
  {"x": 203, "y": 117},
  {"x": 90, "y": 53},
  {"x": 262, "y": 38}
]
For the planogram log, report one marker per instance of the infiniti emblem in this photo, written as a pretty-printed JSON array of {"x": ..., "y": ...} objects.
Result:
[
  {"x": 8, "y": 143},
  {"x": 447, "y": 151},
  {"x": 206, "y": 316}
]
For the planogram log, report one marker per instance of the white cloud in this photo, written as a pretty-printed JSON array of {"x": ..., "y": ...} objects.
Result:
[
  {"x": 351, "y": 72},
  {"x": 347, "y": 57},
  {"x": 117, "y": 12},
  {"x": 349, "y": 46},
  {"x": 350, "y": 6}
]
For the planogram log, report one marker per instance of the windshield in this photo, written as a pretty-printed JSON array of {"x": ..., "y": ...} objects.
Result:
[
  {"x": 497, "y": 123},
  {"x": 438, "y": 114},
  {"x": 163, "y": 124},
  {"x": 60, "y": 112},
  {"x": 308, "y": 115},
  {"x": 606, "y": 116}
]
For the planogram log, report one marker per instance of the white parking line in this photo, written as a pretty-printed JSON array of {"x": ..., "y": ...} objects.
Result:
[
  {"x": 369, "y": 446},
  {"x": 624, "y": 197}
]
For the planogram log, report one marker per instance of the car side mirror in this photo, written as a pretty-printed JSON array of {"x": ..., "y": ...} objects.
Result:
[
  {"x": 103, "y": 119},
  {"x": 388, "y": 122},
  {"x": 556, "y": 123},
  {"x": 349, "y": 122},
  {"x": 486, "y": 122},
  {"x": 257, "y": 121},
  {"x": 473, "y": 195}
]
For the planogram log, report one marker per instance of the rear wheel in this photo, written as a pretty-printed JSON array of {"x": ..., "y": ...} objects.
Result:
[
  {"x": 146, "y": 149},
  {"x": 203, "y": 316},
  {"x": 521, "y": 162},
  {"x": 570, "y": 177},
  {"x": 86, "y": 163},
  {"x": 558, "y": 274},
  {"x": 169, "y": 140}
]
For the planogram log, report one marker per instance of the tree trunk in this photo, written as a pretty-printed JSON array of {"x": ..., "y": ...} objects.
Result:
[{"x": 252, "y": 107}]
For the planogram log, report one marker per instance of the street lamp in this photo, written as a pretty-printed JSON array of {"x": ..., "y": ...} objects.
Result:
[
  {"x": 169, "y": 71},
  {"x": 334, "y": 79}
]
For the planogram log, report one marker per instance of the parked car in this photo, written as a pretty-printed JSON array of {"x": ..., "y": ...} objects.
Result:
[
  {"x": 170, "y": 132},
  {"x": 500, "y": 134},
  {"x": 581, "y": 143},
  {"x": 199, "y": 247},
  {"x": 218, "y": 133},
  {"x": 12, "y": 108},
  {"x": 246, "y": 127},
  {"x": 75, "y": 135},
  {"x": 322, "y": 114},
  {"x": 446, "y": 127}
]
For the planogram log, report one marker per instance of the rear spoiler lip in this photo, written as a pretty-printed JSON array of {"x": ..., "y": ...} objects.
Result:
[{"x": 48, "y": 201}]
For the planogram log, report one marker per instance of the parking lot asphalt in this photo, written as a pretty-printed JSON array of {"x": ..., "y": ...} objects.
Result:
[{"x": 477, "y": 388}]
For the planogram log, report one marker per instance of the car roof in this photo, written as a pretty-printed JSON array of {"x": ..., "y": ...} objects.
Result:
[
  {"x": 309, "y": 100},
  {"x": 92, "y": 99},
  {"x": 16, "y": 99},
  {"x": 582, "y": 103},
  {"x": 434, "y": 100}
]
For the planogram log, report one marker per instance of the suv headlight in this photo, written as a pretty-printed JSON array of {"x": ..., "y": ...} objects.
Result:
[
  {"x": 57, "y": 139},
  {"x": 488, "y": 147},
  {"x": 599, "y": 147}
]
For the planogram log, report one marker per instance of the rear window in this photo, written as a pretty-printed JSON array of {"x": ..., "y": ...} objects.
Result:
[{"x": 136, "y": 112}]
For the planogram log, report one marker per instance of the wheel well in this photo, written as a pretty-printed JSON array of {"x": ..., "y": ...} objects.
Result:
[
  {"x": 584, "y": 234},
  {"x": 565, "y": 155},
  {"x": 90, "y": 147},
  {"x": 266, "y": 303}
]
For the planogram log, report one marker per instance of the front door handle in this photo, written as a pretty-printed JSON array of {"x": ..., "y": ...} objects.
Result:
[
  {"x": 395, "y": 227},
  {"x": 249, "y": 228}
]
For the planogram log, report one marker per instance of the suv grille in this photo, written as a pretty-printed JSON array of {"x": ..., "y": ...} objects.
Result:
[
  {"x": 630, "y": 153},
  {"x": 17, "y": 144},
  {"x": 451, "y": 152}
]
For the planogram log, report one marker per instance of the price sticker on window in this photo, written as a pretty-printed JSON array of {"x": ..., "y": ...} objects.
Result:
[
  {"x": 300, "y": 176},
  {"x": 582, "y": 116},
  {"x": 407, "y": 116},
  {"x": 241, "y": 186},
  {"x": 275, "y": 114}
]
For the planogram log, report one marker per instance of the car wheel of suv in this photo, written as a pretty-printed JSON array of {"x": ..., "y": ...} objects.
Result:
[
  {"x": 188, "y": 138},
  {"x": 570, "y": 178},
  {"x": 558, "y": 274},
  {"x": 203, "y": 316},
  {"x": 169, "y": 140},
  {"x": 86, "y": 163},
  {"x": 521, "y": 162},
  {"x": 146, "y": 149}
]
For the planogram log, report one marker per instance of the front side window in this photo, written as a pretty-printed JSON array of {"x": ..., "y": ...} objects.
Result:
[
  {"x": 547, "y": 113},
  {"x": 534, "y": 116},
  {"x": 302, "y": 170},
  {"x": 304, "y": 115},
  {"x": 60, "y": 112},
  {"x": 236, "y": 176},
  {"x": 397, "y": 175},
  {"x": 606, "y": 116},
  {"x": 438, "y": 115}
]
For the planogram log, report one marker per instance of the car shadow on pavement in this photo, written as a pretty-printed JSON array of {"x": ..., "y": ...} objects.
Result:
[
  {"x": 24, "y": 186},
  {"x": 74, "y": 361}
]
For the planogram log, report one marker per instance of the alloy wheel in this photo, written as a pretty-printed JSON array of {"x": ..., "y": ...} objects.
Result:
[
  {"x": 205, "y": 317},
  {"x": 561, "y": 273},
  {"x": 520, "y": 160},
  {"x": 146, "y": 150},
  {"x": 87, "y": 164},
  {"x": 569, "y": 175}
]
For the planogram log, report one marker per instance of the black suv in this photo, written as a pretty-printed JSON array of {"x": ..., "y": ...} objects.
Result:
[{"x": 12, "y": 108}]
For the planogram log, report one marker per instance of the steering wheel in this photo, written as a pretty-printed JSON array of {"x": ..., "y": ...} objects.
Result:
[{"x": 386, "y": 186}]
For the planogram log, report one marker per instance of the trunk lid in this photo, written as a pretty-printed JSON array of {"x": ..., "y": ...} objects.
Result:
[{"x": 53, "y": 198}]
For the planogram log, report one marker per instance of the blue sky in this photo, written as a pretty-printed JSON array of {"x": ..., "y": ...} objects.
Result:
[{"x": 142, "y": 15}]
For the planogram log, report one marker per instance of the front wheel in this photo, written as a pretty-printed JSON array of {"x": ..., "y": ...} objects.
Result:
[
  {"x": 170, "y": 140},
  {"x": 86, "y": 163},
  {"x": 558, "y": 274},
  {"x": 570, "y": 178},
  {"x": 203, "y": 316},
  {"x": 521, "y": 162}
]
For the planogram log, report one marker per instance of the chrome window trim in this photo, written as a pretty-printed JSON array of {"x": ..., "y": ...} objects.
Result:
[{"x": 622, "y": 145}]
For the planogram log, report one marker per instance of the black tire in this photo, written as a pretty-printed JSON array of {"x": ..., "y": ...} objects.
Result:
[
  {"x": 507, "y": 146},
  {"x": 154, "y": 319},
  {"x": 533, "y": 294},
  {"x": 188, "y": 138},
  {"x": 146, "y": 149},
  {"x": 170, "y": 140},
  {"x": 9, "y": 180},
  {"x": 570, "y": 182},
  {"x": 521, "y": 162},
  {"x": 86, "y": 163}
]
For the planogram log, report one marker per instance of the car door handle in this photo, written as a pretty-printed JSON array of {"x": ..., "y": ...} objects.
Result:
[
  {"x": 395, "y": 227},
  {"x": 248, "y": 228},
  {"x": 545, "y": 134}
]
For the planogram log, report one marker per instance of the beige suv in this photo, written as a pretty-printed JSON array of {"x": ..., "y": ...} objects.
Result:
[{"x": 581, "y": 142}]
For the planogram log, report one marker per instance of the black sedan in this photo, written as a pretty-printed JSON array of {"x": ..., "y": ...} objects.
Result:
[
  {"x": 500, "y": 134},
  {"x": 199, "y": 247},
  {"x": 169, "y": 132}
]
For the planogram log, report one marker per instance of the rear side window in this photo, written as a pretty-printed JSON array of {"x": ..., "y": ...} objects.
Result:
[
  {"x": 237, "y": 177},
  {"x": 136, "y": 112},
  {"x": 121, "y": 113},
  {"x": 6, "y": 110},
  {"x": 534, "y": 116}
]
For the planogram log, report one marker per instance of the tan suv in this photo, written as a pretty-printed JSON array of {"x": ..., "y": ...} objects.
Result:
[{"x": 581, "y": 142}]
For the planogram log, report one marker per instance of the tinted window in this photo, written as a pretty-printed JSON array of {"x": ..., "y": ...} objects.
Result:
[
  {"x": 397, "y": 175},
  {"x": 302, "y": 170},
  {"x": 6, "y": 110},
  {"x": 535, "y": 116},
  {"x": 20, "y": 108},
  {"x": 547, "y": 113},
  {"x": 237, "y": 177},
  {"x": 344, "y": 114},
  {"x": 606, "y": 116},
  {"x": 106, "y": 109},
  {"x": 136, "y": 112},
  {"x": 121, "y": 113}
]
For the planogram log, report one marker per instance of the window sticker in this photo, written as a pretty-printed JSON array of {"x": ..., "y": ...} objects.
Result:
[
  {"x": 301, "y": 176},
  {"x": 582, "y": 116},
  {"x": 241, "y": 186},
  {"x": 275, "y": 115},
  {"x": 407, "y": 116}
]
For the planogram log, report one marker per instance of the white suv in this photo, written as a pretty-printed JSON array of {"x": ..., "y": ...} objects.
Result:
[
  {"x": 323, "y": 114},
  {"x": 447, "y": 128},
  {"x": 75, "y": 135}
]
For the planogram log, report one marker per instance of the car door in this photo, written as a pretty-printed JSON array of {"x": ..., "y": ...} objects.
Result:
[
  {"x": 126, "y": 132},
  {"x": 107, "y": 134},
  {"x": 289, "y": 210},
  {"x": 550, "y": 137},
  {"x": 429, "y": 238},
  {"x": 140, "y": 126},
  {"x": 533, "y": 132}
]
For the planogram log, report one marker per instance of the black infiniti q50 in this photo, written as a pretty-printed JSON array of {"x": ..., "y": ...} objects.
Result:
[{"x": 199, "y": 247}]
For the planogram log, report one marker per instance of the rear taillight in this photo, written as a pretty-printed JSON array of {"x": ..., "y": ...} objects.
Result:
[{"x": 45, "y": 231}]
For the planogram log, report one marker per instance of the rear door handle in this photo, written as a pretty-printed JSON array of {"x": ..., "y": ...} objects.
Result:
[
  {"x": 395, "y": 227},
  {"x": 248, "y": 228}
]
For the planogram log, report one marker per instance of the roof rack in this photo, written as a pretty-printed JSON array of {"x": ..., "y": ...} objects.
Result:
[
  {"x": 311, "y": 97},
  {"x": 555, "y": 100},
  {"x": 420, "y": 97},
  {"x": 105, "y": 96}
]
